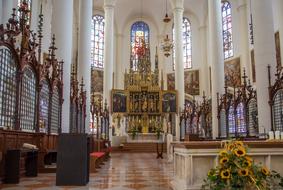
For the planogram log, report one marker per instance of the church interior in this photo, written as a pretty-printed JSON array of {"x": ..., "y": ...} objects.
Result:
[{"x": 141, "y": 94}]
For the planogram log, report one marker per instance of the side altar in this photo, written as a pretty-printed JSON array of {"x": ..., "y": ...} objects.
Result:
[{"x": 143, "y": 102}]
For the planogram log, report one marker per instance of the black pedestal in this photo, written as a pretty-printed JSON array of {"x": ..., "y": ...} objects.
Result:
[{"x": 72, "y": 160}]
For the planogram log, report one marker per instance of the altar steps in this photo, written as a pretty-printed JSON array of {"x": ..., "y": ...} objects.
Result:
[{"x": 140, "y": 147}]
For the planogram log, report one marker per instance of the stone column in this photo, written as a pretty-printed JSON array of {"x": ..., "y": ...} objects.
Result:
[
  {"x": 84, "y": 52},
  {"x": 62, "y": 20},
  {"x": 7, "y": 9},
  {"x": 280, "y": 11},
  {"x": 108, "y": 53},
  {"x": 178, "y": 10},
  {"x": 35, "y": 11},
  {"x": 204, "y": 69},
  {"x": 264, "y": 47},
  {"x": 1, "y": 11},
  {"x": 217, "y": 57},
  {"x": 244, "y": 38},
  {"x": 120, "y": 68}
]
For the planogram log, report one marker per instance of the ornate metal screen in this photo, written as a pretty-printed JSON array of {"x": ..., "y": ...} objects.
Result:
[
  {"x": 252, "y": 117},
  {"x": 28, "y": 100},
  {"x": 44, "y": 107},
  {"x": 55, "y": 114},
  {"x": 241, "y": 119},
  {"x": 8, "y": 88},
  {"x": 231, "y": 119},
  {"x": 223, "y": 131},
  {"x": 278, "y": 111}
]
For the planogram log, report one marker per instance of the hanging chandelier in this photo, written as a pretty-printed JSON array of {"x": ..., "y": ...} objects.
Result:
[{"x": 167, "y": 44}]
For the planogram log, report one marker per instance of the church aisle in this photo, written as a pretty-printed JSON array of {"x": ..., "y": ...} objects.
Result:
[{"x": 124, "y": 171}]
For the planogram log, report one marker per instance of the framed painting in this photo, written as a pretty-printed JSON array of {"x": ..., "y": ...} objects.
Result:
[
  {"x": 96, "y": 81},
  {"x": 119, "y": 101},
  {"x": 171, "y": 81},
  {"x": 232, "y": 70},
  {"x": 169, "y": 101},
  {"x": 278, "y": 50},
  {"x": 192, "y": 82}
]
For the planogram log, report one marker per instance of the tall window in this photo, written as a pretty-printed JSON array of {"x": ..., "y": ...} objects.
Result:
[
  {"x": 139, "y": 34},
  {"x": 29, "y": 3},
  {"x": 187, "y": 44},
  {"x": 227, "y": 29},
  {"x": 97, "y": 41}
]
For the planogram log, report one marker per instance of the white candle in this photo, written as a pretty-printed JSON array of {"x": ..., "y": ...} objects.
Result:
[
  {"x": 271, "y": 135},
  {"x": 277, "y": 135}
]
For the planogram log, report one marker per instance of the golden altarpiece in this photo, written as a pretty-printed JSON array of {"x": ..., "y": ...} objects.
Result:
[{"x": 143, "y": 102}]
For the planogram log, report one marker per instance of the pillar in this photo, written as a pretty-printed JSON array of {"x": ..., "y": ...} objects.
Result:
[
  {"x": 264, "y": 47},
  {"x": 62, "y": 28},
  {"x": 35, "y": 11},
  {"x": 178, "y": 10},
  {"x": 204, "y": 69},
  {"x": 280, "y": 11},
  {"x": 7, "y": 7},
  {"x": 108, "y": 53},
  {"x": 120, "y": 68},
  {"x": 244, "y": 38},
  {"x": 84, "y": 52},
  {"x": 217, "y": 57},
  {"x": 1, "y": 11}
]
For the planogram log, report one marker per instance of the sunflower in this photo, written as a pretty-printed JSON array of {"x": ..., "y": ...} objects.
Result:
[
  {"x": 223, "y": 153},
  {"x": 249, "y": 159},
  {"x": 265, "y": 171},
  {"x": 210, "y": 173},
  {"x": 223, "y": 160},
  {"x": 243, "y": 172},
  {"x": 239, "y": 143},
  {"x": 240, "y": 152},
  {"x": 225, "y": 174},
  {"x": 231, "y": 147},
  {"x": 247, "y": 163}
]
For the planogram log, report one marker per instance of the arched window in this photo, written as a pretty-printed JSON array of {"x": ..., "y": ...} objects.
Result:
[
  {"x": 97, "y": 41},
  {"x": 241, "y": 120},
  {"x": 139, "y": 34},
  {"x": 44, "y": 107},
  {"x": 227, "y": 29},
  {"x": 187, "y": 44}
]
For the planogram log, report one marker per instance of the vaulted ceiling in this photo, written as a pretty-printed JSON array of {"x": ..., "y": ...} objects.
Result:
[{"x": 154, "y": 10}]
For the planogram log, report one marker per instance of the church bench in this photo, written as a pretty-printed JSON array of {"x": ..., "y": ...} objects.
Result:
[{"x": 96, "y": 158}]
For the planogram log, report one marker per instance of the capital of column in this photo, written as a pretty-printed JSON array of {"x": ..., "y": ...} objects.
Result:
[
  {"x": 177, "y": 5},
  {"x": 108, "y": 4}
]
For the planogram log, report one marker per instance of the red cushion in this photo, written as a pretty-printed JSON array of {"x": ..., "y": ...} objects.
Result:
[{"x": 97, "y": 154}]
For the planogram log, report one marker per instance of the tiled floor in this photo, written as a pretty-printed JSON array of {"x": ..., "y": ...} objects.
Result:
[{"x": 124, "y": 171}]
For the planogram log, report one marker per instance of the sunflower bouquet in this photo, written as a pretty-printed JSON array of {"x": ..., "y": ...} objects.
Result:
[{"x": 237, "y": 171}]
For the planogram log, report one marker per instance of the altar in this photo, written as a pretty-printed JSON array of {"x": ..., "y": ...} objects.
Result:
[
  {"x": 193, "y": 160},
  {"x": 145, "y": 138},
  {"x": 143, "y": 103}
]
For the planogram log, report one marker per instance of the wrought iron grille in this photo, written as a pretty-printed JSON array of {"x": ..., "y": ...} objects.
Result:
[
  {"x": 278, "y": 111},
  {"x": 55, "y": 114},
  {"x": 223, "y": 131},
  {"x": 44, "y": 107},
  {"x": 252, "y": 117},
  {"x": 241, "y": 119},
  {"x": 8, "y": 88},
  {"x": 28, "y": 101}
]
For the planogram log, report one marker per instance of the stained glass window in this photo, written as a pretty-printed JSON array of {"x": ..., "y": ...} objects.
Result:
[
  {"x": 97, "y": 41},
  {"x": 55, "y": 112},
  {"x": 28, "y": 100},
  {"x": 241, "y": 119},
  {"x": 187, "y": 44},
  {"x": 8, "y": 86},
  {"x": 29, "y": 4},
  {"x": 278, "y": 111},
  {"x": 227, "y": 29},
  {"x": 139, "y": 34},
  {"x": 231, "y": 120},
  {"x": 44, "y": 107}
]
